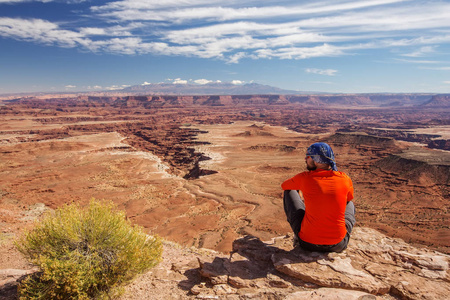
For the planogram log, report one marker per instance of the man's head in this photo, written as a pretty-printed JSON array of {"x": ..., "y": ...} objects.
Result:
[{"x": 320, "y": 155}]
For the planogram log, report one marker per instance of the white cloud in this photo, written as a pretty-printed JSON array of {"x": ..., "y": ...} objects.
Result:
[
  {"x": 113, "y": 88},
  {"x": 92, "y": 31},
  {"x": 70, "y": 86},
  {"x": 40, "y": 31},
  {"x": 234, "y": 59},
  {"x": 116, "y": 87},
  {"x": 328, "y": 72},
  {"x": 125, "y": 5},
  {"x": 95, "y": 87},
  {"x": 423, "y": 51},
  {"x": 301, "y": 52},
  {"x": 447, "y": 82},
  {"x": 179, "y": 81},
  {"x": 115, "y": 31},
  {"x": 418, "y": 61},
  {"x": 320, "y": 22},
  {"x": 202, "y": 81},
  {"x": 237, "y": 82},
  {"x": 179, "y": 11},
  {"x": 235, "y": 30},
  {"x": 19, "y": 1},
  {"x": 350, "y": 17},
  {"x": 146, "y": 83},
  {"x": 43, "y": 1}
]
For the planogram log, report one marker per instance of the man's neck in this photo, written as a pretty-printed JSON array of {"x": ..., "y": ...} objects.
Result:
[{"x": 322, "y": 166}]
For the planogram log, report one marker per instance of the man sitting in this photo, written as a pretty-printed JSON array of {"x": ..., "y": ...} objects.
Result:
[{"x": 318, "y": 203}]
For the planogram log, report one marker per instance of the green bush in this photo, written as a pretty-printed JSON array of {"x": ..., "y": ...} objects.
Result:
[{"x": 85, "y": 253}]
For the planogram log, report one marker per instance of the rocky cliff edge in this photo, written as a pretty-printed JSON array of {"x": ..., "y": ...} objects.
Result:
[{"x": 373, "y": 267}]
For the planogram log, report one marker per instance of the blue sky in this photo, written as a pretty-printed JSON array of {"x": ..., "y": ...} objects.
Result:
[{"x": 347, "y": 46}]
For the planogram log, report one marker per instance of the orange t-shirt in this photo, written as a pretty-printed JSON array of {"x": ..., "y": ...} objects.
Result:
[{"x": 326, "y": 194}]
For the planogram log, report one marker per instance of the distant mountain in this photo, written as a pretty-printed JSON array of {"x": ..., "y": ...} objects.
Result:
[
  {"x": 134, "y": 99},
  {"x": 226, "y": 93},
  {"x": 442, "y": 100},
  {"x": 355, "y": 100},
  {"x": 305, "y": 98},
  {"x": 222, "y": 88}
]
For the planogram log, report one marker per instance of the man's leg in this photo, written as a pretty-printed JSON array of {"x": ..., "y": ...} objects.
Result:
[
  {"x": 350, "y": 219},
  {"x": 294, "y": 207}
]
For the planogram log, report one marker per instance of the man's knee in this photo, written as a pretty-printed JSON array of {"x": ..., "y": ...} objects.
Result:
[
  {"x": 350, "y": 208},
  {"x": 294, "y": 200},
  {"x": 294, "y": 209}
]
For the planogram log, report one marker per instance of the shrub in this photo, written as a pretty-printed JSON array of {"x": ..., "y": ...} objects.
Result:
[{"x": 85, "y": 253}]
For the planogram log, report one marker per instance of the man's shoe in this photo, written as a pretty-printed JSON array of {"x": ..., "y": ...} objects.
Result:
[{"x": 296, "y": 241}]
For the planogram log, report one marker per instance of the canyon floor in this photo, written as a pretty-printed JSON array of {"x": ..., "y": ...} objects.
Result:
[
  {"x": 206, "y": 178},
  {"x": 243, "y": 197}
]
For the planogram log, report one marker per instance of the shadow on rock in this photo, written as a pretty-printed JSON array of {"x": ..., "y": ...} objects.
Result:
[
  {"x": 9, "y": 281},
  {"x": 8, "y": 291},
  {"x": 373, "y": 264}
]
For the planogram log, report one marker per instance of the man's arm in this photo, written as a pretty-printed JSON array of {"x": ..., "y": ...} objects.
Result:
[
  {"x": 350, "y": 192},
  {"x": 290, "y": 184}
]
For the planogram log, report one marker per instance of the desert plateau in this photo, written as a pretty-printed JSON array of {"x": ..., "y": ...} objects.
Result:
[{"x": 205, "y": 171}]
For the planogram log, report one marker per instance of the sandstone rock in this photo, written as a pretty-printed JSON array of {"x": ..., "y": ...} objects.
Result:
[
  {"x": 331, "y": 294},
  {"x": 197, "y": 289},
  {"x": 276, "y": 281},
  {"x": 34, "y": 211},
  {"x": 329, "y": 272},
  {"x": 372, "y": 265},
  {"x": 223, "y": 289},
  {"x": 14, "y": 273},
  {"x": 215, "y": 270},
  {"x": 9, "y": 280}
]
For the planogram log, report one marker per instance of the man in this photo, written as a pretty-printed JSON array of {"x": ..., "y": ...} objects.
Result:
[{"x": 324, "y": 218}]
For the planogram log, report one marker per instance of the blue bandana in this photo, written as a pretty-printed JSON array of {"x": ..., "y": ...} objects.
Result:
[{"x": 323, "y": 154}]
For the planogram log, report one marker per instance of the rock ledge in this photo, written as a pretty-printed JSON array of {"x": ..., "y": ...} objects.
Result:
[{"x": 373, "y": 267}]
